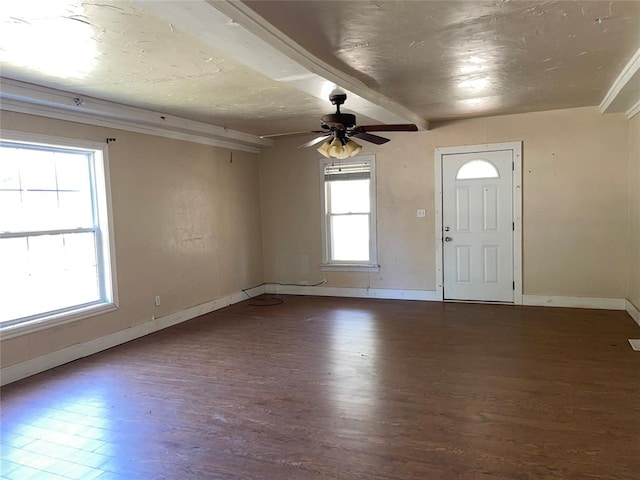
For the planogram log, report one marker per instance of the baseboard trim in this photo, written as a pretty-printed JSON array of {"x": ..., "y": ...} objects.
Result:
[
  {"x": 574, "y": 302},
  {"x": 633, "y": 311},
  {"x": 387, "y": 293},
  {"x": 25, "y": 369}
]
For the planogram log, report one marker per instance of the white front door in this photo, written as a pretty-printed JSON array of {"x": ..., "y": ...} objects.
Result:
[{"x": 477, "y": 224}]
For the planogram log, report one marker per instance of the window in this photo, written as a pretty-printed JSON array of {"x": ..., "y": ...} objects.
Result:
[
  {"x": 348, "y": 207},
  {"x": 477, "y": 169},
  {"x": 55, "y": 252}
]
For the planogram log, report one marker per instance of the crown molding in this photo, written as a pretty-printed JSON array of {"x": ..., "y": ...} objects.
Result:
[
  {"x": 624, "y": 94},
  {"x": 634, "y": 110},
  {"x": 48, "y": 102}
]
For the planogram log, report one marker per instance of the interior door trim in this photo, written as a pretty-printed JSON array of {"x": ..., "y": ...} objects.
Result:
[{"x": 516, "y": 148}]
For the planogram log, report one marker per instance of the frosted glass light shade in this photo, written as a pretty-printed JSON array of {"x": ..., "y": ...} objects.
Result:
[
  {"x": 324, "y": 149},
  {"x": 352, "y": 148},
  {"x": 336, "y": 149}
]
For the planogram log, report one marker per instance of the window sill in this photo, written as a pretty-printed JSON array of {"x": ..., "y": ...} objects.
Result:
[
  {"x": 50, "y": 321},
  {"x": 349, "y": 267}
]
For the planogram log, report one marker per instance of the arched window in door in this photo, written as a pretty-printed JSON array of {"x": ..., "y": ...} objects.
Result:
[{"x": 477, "y": 169}]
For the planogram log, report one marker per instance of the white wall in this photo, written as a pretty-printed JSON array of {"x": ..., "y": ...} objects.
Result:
[
  {"x": 575, "y": 199},
  {"x": 186, "y": 225}
]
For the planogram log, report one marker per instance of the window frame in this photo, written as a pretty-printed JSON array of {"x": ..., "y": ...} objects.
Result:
[
  {"x": 349, "y": 266},
  {"x": 103, "y": 227}
]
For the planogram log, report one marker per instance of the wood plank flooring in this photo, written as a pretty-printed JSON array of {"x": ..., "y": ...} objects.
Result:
[{"x": 335, "y": 388}]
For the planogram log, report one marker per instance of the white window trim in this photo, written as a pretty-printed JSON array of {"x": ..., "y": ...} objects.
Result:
[
  {"x": 107, "y": 249},
  {"x": 342, "y": 266}
]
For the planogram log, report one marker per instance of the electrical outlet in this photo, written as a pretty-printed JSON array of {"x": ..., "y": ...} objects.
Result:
[
  {"x": 421, "y": 213},
  {"x": 157, "y": 300}
]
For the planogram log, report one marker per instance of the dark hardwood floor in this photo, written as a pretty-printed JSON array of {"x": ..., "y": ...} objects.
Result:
[{"x": 335, "y": 388}]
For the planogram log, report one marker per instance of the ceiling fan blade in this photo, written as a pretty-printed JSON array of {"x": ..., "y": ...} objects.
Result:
[
  {"x": 397, "y": 127},
  {"x": 370, "y": 138},
  {"x": 291, "y": 134},
  {"x": 314, "y": 141}
]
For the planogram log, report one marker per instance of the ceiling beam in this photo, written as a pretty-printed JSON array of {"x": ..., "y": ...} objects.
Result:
[{"x": 238, "y": 32}]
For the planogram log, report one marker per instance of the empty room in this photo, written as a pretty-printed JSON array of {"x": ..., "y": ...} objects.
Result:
[{"x": 319, "y": 240}]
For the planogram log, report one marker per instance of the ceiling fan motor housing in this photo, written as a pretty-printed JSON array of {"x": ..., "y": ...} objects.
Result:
[
  {"x": 339, "y": 121},
  {"x": 338, "y": 98}
]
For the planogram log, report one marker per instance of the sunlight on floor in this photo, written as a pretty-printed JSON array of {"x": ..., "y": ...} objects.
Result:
[{"x": 69, "y": 439}]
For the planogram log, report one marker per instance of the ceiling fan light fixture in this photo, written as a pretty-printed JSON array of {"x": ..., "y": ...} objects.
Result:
[
  {"x": 324, "y": 149},
  {"x": 352, "y": 148},
  {"x": 338, "y": 128},
  {"x": 336, "y": 150},
  {"x": 344, "y": 155}
]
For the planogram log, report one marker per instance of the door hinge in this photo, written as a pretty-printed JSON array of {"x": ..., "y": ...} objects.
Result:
[
  {"x": 513, "y": 166},
  {"x": 514, "y": 285},
  {"x": 513, "y": 226}
]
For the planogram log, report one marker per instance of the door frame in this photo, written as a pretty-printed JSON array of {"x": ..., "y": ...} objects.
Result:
[{"x": 516, "y": 149}]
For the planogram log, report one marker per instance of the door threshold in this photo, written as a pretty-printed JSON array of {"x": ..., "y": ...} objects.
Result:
[{"x": 484, "y": 302}]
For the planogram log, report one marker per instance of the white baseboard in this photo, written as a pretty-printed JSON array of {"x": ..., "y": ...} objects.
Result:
[
  {"x": 431, "y": 295},
  {"x": 394, "y": 294},
  {"x": 633, "y": 311},
  {"x": 40, "y": 364},
  {"x": 574, "y": 302}
]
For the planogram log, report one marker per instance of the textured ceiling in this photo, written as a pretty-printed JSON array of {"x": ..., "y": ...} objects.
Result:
[
  {"x": 441, "y": 60},
  {"x": 118, "y": 51},
  {"x": 453, "y": 59}
]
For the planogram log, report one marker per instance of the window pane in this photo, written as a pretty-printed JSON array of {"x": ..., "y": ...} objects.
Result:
[
  {"x": 9, "y": 170},
  {"x": 350, "y": 196},
  {"x": 14, "y": 278},
  {"x": 477, "y": 169},
  {"x": 80, "y": 251},
  {"x": 11, "y": 216},
  {"x": 37, "y": 169},
  {"x": 39, "y": 210},
  {"x": 350, "y": 238},
  {"x": 74, "y": 210},
  {"x": 80, "y": 283},
  {"x": 72, "y": 171}
]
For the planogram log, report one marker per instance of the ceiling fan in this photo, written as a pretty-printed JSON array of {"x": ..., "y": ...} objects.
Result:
[{"x": 339, "y": 128}]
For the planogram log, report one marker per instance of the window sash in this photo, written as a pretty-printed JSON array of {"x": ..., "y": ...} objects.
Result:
[
  {"x": 25, "y": 191},
  {"x": 334, "y": 248},
  {"x": 74, "y": 269},
  {"x": 36, "y": 233}
]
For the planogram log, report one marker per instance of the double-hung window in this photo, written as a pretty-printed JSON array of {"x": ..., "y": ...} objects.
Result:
[
  {"x": 55, "y": 255},
  {"x": 349, "y": 219}
]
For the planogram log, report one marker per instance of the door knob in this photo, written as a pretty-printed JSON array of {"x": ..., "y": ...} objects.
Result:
[{"x": 447, "y": 239}]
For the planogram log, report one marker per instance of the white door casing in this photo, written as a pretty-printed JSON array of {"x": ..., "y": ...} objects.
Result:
[{"x": 478, "y": 232}]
